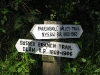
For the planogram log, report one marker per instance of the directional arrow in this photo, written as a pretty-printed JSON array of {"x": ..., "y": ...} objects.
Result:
[
  {"x": 69, "y": 50},
  {"x": 56, "y": 31}
]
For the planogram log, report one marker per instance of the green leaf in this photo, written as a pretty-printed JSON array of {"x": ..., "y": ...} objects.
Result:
[
  {"x": 2, "y": 22},
  {"x": 16, "y": 8},
  {"x": 68, "y": 70},
  {"x": 97, "y": 70},
  {"x": 19, "y": 70},
  {"x": 83, "y": 59},
  {"x": 11, "y": 69},
  {"x": 5, "y": 17},
  {"x": 18, "y": 64},
  {"x": 32, "y": 61},
  {"x": 1, "y": 29},
  {"x": 76, "y": 22},
  {"x": 68, "y": 65},
  {"x": 74, "y": 69},
  {"x": 15, "y": 54},
  {"x": 26, "y": 57},
  {"x": 4, "y": 11},
  {"x": 80, "y": 44}
]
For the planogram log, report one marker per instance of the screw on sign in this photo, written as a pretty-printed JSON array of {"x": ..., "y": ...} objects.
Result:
[
  {"x": 69, "y": 50},
  {"x": 56, "y": 31}
]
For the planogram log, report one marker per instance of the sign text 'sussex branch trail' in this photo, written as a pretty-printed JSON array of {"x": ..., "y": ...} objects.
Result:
[{"x": 60, "y": 49}]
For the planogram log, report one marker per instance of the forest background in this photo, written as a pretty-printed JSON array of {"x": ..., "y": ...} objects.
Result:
[{"x": 17, "y": 17}]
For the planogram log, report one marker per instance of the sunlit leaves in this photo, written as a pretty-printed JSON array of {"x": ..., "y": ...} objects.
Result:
[
  {"x": 76, "y": 23},
  {"x": 73, "y": 69},
  {"x": 97, "y": 70},
  {"x": 83, "y": 60},
  {"x": 19, "y": 69}
]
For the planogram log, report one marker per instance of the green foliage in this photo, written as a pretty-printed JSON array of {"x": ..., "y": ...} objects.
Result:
[
  {"x": 15, "y": 22},
  {"x": 83, "y": 60},
  {"x": 2, "y": 30},
  {"x": 17, "y": 17}
]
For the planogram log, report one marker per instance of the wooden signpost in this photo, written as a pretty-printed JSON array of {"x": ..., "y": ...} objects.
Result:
[
  {"x": 51, "y": 51},
  {"x": 54, "y": 67}
]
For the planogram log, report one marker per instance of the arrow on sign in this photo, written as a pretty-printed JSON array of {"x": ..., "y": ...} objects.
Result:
[
  {"x": 55, "y": 31},
  {"x": 69, "y": 50}
]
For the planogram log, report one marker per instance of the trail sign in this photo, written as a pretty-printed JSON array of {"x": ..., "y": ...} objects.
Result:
[
  {"x": 69, "y": 50},
  {"x": 56, "y": 31}
]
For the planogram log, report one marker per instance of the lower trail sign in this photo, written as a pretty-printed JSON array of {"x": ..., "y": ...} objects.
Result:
[{"x": 69, "y": 50}]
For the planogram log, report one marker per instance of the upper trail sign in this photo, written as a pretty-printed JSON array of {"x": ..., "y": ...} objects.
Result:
[
  {"x": 69, "y": 50},
  {"x": 56, "y": 31}
]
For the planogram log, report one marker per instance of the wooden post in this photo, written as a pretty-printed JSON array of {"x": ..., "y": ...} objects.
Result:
[{"x": 51, "y": 65}]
